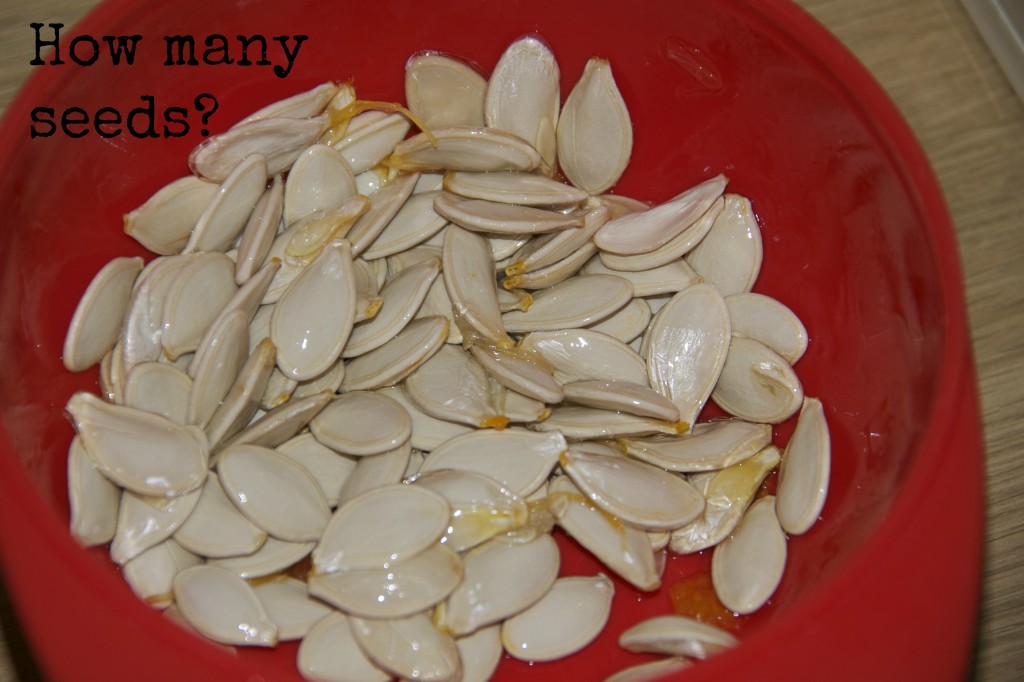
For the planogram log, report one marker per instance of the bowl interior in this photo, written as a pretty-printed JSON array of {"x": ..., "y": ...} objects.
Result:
[{"x": 711, "y": 87}]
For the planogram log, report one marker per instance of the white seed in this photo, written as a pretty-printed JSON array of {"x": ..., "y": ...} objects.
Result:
[
  {"x": 676, "y": 636},
  {"x": 216, "y": 528},
  {"x": 273, "y": 556},
  {"x": 523, "y": 95},
  {"x": 410, "y": 648},
  {"x": 368, "y": 302},
  {"x": 585, "y": 355},
  {"x": 242, "y": 399},
  {"x": 385, "y": 204},
  {"x": 587, "y": 422},
  {"x": 164, "y": 222},
  {"x": 93, "y": 499},
  {"x": 303, "y": 105},
  {"x": 282, "y": 422},
  {"x": 747, "y": 567},
  {"x": 313, "y": 319},
  {"x": 298, "y": 245},
  {"x": 429, "y": 182},
  {"x": 493, "y": 217},
  {"x": 576, "y": 302},
  {"x": 217, "y": 365},
  {"x": 110, "y": 389},
  {"x": 438, "y": 303},
  {"x": 362, "y": 423},
  {"x": 290, "y": 607},
  {"x": 804, "y": 474},
  {"x": 514, "y": 299},
  {"x": 628, "y": 323},
  {"x": 145, "y": 453},
  {"x": 173, "y": 615},
  {"x": 279, "y": 389},
  {"x": 468, "y": 271},
  {"x": 622, "y": 396},
  {"x": 466, "y": 149},
  {"x": 708, "y": 445},
  {"x": 414, "y": 256},
  {"x": 595, "y": 136},
  {"x": 524, "y": 189},
  {"x": 304, "y": 239},
  {"x": 518, "y": 370},
  {"x": 145, "y": 522},
  {"x": 671, "y": 250},
  {"x": 97, "y": 320},
  {"x": 279, "y": 139},
  {"x": 414, "y": 222},
  {"x": 223, "y": 607},
  {"x": 663, "y": 279},
  {"x": 661, "y": 669},
  {"x": 659, "y": 539},
  {"x": 553, "y": 274},
  {"x": 757, "y": 384},
  {"x": 329, "y": 653},
  {"x": 340, "y": 111},
  {"x": 273, "y": 492},
  {"x": 259, "y": 232},
  {"x": 386, "y": 524},
  {"x": 399, "y": 357},
  {"x": 480, "y": 653},
  {"x": 159, "y": 388},
  {"x": 319, "y": 180},
  {"x": 328, "y": 468},
  {"x": 427, "y": 431},
  {"x": 648, "y": 230},
  {"x": 500, "y": 580},
  {"x": 728, "y": 492},
  {"x": 482, "y": 507},
  {"x": 394, "y": 590},
  {"x": 520, "y": 460},
  {"x": 249, "y": 296},
  {"x": 369, "y": 139},
  {"x": 687, "y": 346},
  {"x": 229, "y": 210},
  {"x": 546, "y": 250},
  {"x": 730, "y": 254},
  {"x": 607, "y": 448},
  {"x": 516, "y": 406},
  {"x": 638, "y": 493},
  {"x": 618, "y": 205},
  {"x": 412, "y": 469},
  {"x": 375, "y": 471},
  {"x": 566, "y": 619},
  {"x": 452, "y": 386},
  {"x": 443, "y": 91},
  {"x": 502, "y": 248},
  {"x": 142, "y": 329},
  {"x": 765, "y": 319},
  {"x": 401, "y": 297},
  {"x": 623, "y": 548},
  {"x": 151, "y": 573}
]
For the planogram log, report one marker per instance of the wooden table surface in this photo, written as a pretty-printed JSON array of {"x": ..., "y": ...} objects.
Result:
[{"x": 932, "y": 61}]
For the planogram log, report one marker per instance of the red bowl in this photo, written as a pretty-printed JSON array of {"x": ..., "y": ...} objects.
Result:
[{"x": 857, "y": 242}]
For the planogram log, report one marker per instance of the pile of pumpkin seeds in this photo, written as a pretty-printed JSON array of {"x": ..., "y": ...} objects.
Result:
[{"x": 403, "y": 359}]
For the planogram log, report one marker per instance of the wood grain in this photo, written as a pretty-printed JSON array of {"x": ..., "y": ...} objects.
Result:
[{"x": 929, "y": 57}]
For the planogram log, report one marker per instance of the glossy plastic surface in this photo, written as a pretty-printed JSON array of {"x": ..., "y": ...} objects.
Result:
[{"x": 857, "y": 242}]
